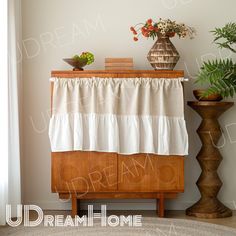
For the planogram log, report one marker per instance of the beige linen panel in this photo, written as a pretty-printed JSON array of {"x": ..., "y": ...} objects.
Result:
[{"x": 132, "y": 96}]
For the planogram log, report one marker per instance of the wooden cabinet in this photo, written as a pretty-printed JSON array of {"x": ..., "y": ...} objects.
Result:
[
  {"x": 84, "y": 171},
  {"x": 148, "y": 173},
  {"x": 97, "y": 175},
  {"x": 87, "y": 172}
]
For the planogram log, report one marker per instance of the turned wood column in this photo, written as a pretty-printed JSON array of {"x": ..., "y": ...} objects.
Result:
[{"x": 209, "y": 159}]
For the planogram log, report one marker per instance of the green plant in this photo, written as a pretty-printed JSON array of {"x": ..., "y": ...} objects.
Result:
[
  {"x": 228, "y": 33},
  {"x": 220, "y": 74}
]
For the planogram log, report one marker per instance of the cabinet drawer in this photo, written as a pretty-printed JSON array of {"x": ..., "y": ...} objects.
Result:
[
  {"x": 84, "y": 171},
  {"x": 149, "y": 173}
]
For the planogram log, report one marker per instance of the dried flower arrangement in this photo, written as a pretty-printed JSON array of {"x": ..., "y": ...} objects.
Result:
[{"x": 165, "y": 27}]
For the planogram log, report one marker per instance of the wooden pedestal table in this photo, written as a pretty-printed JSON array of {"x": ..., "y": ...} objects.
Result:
[{"x": 209, "y": 159}]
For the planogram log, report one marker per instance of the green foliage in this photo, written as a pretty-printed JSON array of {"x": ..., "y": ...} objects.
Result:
[
  {"x": 211, "y": 71},
  {"x": 228, "y": 34},
  {"x": 221, "y": 74}
]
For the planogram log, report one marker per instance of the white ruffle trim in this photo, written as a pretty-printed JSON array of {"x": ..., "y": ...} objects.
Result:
[{"x": 130, "y": 134}]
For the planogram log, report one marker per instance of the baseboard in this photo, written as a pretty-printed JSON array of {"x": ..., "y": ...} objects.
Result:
[
  {"x": 144, "y": 204},
  {"x": 114, "y": 204}
]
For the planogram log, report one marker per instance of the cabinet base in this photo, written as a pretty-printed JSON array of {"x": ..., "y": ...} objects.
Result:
[{"x": 160, "y": 199}]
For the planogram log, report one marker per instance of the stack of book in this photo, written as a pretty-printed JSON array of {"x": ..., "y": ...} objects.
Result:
[{"x": 119, "y": 64}]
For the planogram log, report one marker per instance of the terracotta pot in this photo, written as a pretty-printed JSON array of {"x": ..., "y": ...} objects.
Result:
[
  {"x": 213, "y": 97},
  {"x": 163, "y": 55}
]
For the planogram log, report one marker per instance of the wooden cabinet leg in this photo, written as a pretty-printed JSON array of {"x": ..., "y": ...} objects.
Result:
[
  {"x": 74, "y": 205},
  {"x": 160, "y": 206}
]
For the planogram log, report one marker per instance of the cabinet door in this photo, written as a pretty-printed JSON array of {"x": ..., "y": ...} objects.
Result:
[
  {"x": 150, "y": 173},
  {"x": 84, "y": 171}
]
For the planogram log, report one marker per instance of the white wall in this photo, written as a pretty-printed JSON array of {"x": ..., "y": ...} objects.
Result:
[{"x": 56, "y": 29}]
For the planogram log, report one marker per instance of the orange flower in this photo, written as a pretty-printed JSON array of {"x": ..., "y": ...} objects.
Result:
[
  {"x": 132, "y": 28},
  {"x": 135, "y": 39},
  {"x": 144, "y": 29},
  {"x": 151, "y": 28},
  {"x": 149, "y": 21}
]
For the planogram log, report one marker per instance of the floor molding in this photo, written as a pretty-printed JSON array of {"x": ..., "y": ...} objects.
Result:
[{"x": 147, "y": 204}]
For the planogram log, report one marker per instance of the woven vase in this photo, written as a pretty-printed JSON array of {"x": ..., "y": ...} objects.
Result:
[{"x": 163, "y": 55}]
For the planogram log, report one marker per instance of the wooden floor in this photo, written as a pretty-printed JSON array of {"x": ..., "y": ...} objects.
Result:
[{"x": 230, "y": 221}]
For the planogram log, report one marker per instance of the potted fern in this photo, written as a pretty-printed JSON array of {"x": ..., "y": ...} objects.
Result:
[{"x": 219, "y": 74}]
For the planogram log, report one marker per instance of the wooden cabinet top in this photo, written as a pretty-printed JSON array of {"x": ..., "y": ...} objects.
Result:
[{"x": 119, "y": 73}]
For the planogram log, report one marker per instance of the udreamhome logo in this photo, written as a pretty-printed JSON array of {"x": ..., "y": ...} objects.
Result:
[{"x": 61, "y": 220}]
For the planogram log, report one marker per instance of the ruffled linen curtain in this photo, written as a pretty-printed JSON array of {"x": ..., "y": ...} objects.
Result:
[
  {"x": 126, "y": 116},
  {"x": 10, "y": 187}
]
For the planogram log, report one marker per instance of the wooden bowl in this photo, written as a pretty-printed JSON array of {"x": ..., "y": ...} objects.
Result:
[
  {"x": 77, "y": 64},
  {"x": 213, "y": 97}
]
